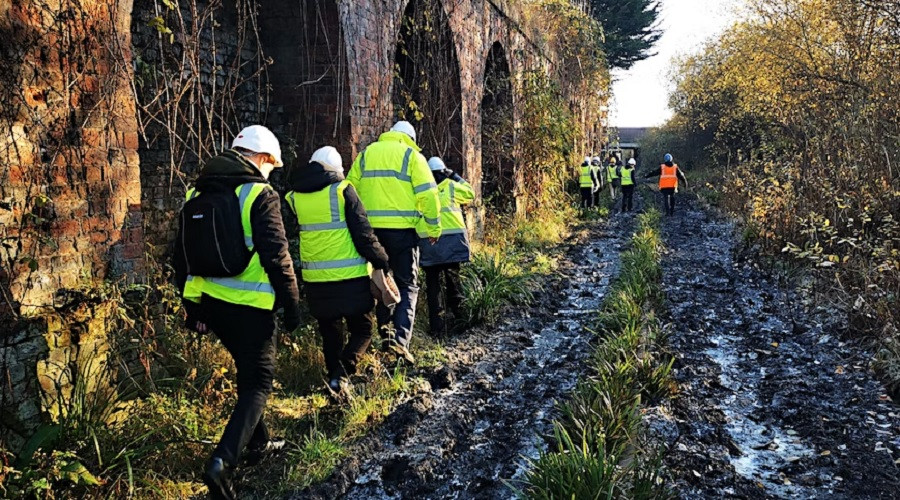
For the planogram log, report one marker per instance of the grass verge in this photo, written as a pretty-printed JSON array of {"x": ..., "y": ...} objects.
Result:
[{"x": 599, "y": 448}]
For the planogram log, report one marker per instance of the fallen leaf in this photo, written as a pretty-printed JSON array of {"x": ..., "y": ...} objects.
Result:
[
  {"x": 774, "y": 344},
  {"x": 839, "y": 370},
  {"x": 825, "y": 453}
]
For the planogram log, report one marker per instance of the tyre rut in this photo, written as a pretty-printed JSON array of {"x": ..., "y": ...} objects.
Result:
[
  {"x": 772, "y": 401},
  {"x": 493, "y": 402}
]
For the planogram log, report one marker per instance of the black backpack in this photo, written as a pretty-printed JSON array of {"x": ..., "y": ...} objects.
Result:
[{"x": 211, "y": 235}]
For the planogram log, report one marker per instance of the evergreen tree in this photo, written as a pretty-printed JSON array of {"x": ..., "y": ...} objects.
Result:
[{"x": 630, "y": 28}]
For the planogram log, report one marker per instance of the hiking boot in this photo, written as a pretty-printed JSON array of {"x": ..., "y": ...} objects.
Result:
[
  {"x": 401, "y": 351},
  {"x": 217, "y": 477},
  {"x": 258, "y": 453}
]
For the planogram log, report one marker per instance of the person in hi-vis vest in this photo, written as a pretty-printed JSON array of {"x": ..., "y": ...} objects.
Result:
[
  {"x": 442, "y": 259},
  {"x": 396, "y": 187},
  {"x": 586, "y": 183},
  {"x": 239, "y": 309},
  {"x": 669, "y": 174},
  {"x": 337, "y": 247},
  {"x": 626, "y": 177}
]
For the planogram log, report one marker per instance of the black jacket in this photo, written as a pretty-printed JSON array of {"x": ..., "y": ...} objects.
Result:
[
  {"x": 349, "y": 297},
  {"x": 226, "y": 172}
]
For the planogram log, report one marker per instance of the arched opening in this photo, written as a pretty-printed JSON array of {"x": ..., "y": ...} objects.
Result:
[
  {"x": 497, "y": 164},
  {"x": 308, "y": 76},
  {"x": 426, "y": 81}
]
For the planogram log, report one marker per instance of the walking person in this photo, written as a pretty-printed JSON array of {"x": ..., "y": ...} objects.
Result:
[
  {"x": 337, "y": 247},
  {"x": 586, "y": 183},
  {"x": 597, "y": 178},
  {"x": 669, "y": 174},
  {"x": 396, "y": 187},
  {"x": 612, "y": 176},
  {"x": 232, "y": 264},
  {"x": 442, "y": 260},
  {"x": 626, "y": 175}
]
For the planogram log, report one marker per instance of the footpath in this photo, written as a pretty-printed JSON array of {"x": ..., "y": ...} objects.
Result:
[
  {"x": 773, "y": 401},
  {"x": 491, "y": 405}
]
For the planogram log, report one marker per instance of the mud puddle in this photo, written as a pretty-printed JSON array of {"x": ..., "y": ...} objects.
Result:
[
  {"x": 772, "y": 402},
  {"x": 490, "y": 406}
]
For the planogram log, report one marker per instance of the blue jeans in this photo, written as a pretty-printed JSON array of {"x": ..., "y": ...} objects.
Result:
[{"x": 402, "y": 247}]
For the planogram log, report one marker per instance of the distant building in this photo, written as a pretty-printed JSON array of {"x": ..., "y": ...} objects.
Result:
[{"x": 627, "y": 140}]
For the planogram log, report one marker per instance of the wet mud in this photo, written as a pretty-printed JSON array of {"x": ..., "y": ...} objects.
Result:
[
  {"x": 490, "y": 407},
  {"x": 774, "y": 401}
]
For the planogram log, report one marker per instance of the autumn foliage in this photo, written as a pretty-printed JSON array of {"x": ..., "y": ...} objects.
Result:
[{"x": 797, "y": 106}]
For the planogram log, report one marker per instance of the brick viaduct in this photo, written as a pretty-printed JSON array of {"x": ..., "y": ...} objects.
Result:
[{"x": 83, "y": 193}]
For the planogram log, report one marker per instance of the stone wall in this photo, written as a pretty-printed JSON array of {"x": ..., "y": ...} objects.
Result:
[{"x": 69, "y": 181}]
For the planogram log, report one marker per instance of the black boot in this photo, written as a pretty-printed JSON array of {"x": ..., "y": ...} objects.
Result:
[
  {"x": 217, "y": 477},
  {"x": 256, "y": 454}
]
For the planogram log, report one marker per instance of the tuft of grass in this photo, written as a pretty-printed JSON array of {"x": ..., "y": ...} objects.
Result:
[
  {"x": 599, "y": 448},
  {"x": 489, "y": 283}
]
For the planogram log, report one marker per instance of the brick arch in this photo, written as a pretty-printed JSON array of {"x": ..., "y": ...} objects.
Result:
[
  {"x": 497, "y": 131},
  {"x": 426, "y": 88}
]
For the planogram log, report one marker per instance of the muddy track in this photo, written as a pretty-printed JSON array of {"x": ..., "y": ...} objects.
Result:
[
  {"x": 491, "y": 404},
  {"x": 773, "y": 401}
]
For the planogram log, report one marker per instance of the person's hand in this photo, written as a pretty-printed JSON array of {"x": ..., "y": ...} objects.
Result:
[
  {"x": 432, "y": 240},
  {"x": 200, "y": 327}
]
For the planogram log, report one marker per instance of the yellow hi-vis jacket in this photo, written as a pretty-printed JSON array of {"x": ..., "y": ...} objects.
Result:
[
  {"x": 612, "y": 173},
  {"x": 395, "y": 184},
  {"x": 627, "y": 176},
  {"x": 327, "y": 252},
  {"x": 453, "y": 196},
  {"x": 249, "y": 288},
  {"x": 585, "y": 180}
]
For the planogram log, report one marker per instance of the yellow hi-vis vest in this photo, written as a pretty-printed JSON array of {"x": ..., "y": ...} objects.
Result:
[
  {"x": 251, "y": 287},
  {"x": 453, "y": 195},
  {"x": 627, "y": 176},
  {"x": 611, "y": 173},
  {"x": 395, "y": 184},
  {"x": 327, "y": 252},
  {"x": 586, "y": 176}
]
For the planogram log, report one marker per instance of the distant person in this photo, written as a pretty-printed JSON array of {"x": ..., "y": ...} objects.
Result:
[
  {"x": 396, "y": 187},
  {"x": 232, "y": 264},
  {"x": 586, "y": 183},
  {"x": 597, "y": 178},
  {"x": 612, "y": 175},
  {"x": 669, "y": 174},
  {"x": 337, "y": 245},
  {"x": 626, "y": 176},
  {"x": 442, "y": 259}
]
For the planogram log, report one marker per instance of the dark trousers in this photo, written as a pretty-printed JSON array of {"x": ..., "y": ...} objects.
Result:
[
  {"x": 248, "y": 334},
  {"x": 668, "y": 200},
  {"x": 433, "y": 288},
  {"x": 595, "y": 198},
  {"x": 587, "y": 199},
  {"x": 627, "y": 198},
  {"x": 341, "y": 358},
  {"x": 402, "y": 247}
]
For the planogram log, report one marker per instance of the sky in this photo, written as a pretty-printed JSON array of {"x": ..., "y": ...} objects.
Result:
[{"x": 640, "y": 94}]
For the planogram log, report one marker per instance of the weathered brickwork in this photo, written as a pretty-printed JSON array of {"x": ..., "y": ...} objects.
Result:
[
  {"x": 69, "y": 184},
  {"x": 196, "y": 87},
  {"x": 95, "y": 157}
]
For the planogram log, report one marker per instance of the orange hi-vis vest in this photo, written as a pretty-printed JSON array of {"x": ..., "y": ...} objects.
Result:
[{"x": 669, "y": 176}]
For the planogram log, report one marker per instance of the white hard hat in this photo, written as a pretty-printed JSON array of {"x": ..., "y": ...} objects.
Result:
[
  {"x": 329, "y": 158},
  {"x": 596, "y": 159},
  {"x": 435, "y": 164},
  {"x": 406, "y": 128},
  {"x": 587, "y": 159},
  {"x": 259, "y": 139},
  {"x": 632, "y": 161}
]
